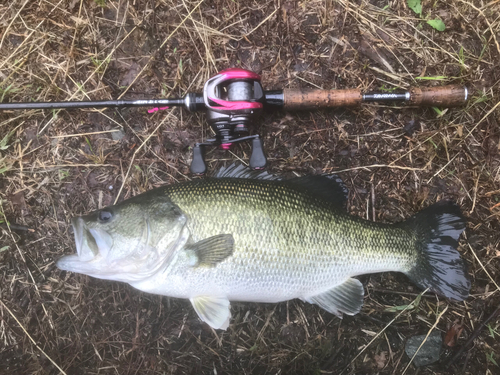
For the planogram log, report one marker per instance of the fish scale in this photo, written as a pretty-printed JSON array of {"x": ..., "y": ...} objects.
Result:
[
  {"x": 315, "y": 240},
  {"x": 247, "y": 236}
]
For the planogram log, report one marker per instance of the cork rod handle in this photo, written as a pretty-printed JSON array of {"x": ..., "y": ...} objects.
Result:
[
  {"x": 444, "y": 96},
  {"x": 309, "y": 99}
]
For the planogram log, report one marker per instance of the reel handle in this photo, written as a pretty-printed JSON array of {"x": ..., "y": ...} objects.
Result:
[
  {"x": 198, "y": 165},
  {"x": 258, "y": 159}
]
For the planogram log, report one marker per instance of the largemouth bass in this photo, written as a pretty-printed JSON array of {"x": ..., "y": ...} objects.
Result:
[{"x": 248, "y": 236}]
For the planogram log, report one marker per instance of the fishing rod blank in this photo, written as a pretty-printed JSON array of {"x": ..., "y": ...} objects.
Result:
[{"x": 190, "y": 101}]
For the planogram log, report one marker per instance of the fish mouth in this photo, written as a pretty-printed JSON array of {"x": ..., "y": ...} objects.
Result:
[
  {"x": 78, "y": 224},
  {"x": 80, "y": 261},
  {"x": 86, "y": 246},
  {"x": 91, "y": 245},
  {"x": 90, "y": 242}
]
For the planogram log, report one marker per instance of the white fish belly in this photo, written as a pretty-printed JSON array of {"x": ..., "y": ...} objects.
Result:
[{"x": 270, "y": 275}]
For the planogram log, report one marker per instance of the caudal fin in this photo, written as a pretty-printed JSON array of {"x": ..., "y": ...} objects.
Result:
[{"x": 439, "y": 266}]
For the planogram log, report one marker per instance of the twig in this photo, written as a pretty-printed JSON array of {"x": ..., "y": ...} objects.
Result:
[
  {"x": 2, "y": 213},
  {"x": 383, "y": 330},
  {"x": 161, "y": 46},
  {"x": 401, "y": 293},
  {"x": 82, "y": 134},
  {"x": 428, "y": 333},
  {"x": 80, "y": 87},
  {"x": 135, "y": 153},
  {"x": 480, "y": 121},
  {"x": 473, "y": 336},
  {"x": 16, "y": 227},
  {"x": 29, "y": 36},
  {"x": 493, "y": 34},
  {"x": 31, "y": 338},
  {"x": 261, "y": 23},
  {"x": 380, "y": 166},
  {"x": 6, "y": 31},
  {"x": 442, "y": 169},
  {"x": 484, "y": 269}
]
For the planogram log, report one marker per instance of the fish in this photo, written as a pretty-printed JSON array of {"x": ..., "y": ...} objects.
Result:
[{"x": 249, "y": 236}]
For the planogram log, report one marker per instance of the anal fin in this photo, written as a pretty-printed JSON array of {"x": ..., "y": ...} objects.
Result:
[
  {"x": 345, "y": 298},
  {"x": 212, "y": 310}
]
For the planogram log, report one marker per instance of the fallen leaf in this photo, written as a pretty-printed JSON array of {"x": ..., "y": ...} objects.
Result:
[
  {"x": 79, "y": 21},
  {"x": 370, "y": 50},
  {"x": 18, "y": 199},
  {"x": 437, "y": 24},
  {"x": 453, "y": 334},
  {"x": 380, "y": 360},
  {"x": 130, "y": 75},
  {"x": 369, "y": 333}
]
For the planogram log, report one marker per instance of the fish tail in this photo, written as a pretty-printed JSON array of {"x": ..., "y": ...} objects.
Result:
[{"x": 439, "y": 266}]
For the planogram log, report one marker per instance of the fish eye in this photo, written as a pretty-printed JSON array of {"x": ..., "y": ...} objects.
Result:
[{"x": 104, "y": 216}]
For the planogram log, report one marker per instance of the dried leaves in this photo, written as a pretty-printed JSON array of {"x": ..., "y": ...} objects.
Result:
[{"x": 453, "y": 333}]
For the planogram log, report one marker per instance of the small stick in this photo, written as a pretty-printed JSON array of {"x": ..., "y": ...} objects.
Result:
[
  {"x": 473, "y": 336},
  {"x": 16, "y": 227},
  {"x": 403, "y": 293},
  {"x": 31, "y": 338},
  {"x": 382, "y": 331},
  {"x": 426, "y": 337}
]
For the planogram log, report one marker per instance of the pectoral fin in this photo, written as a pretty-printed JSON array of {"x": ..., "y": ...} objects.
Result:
[
  {"x": 210, "y": 251},
  {"x": 212, "y": 310},
  {"x": 345, "y": 298}
]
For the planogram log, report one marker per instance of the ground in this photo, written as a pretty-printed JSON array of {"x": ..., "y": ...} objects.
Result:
[{"x": 394, "y": 159}]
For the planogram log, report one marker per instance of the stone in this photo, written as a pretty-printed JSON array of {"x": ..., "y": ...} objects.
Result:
[
  {"x": 428, "y": 353},
  {"x": 117, "y": 135}
]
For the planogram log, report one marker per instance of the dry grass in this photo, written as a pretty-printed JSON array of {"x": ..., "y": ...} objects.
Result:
[{"x": 395, "y": 160}]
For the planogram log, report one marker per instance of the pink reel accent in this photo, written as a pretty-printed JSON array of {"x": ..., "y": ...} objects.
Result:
[
  {"x": 226, "y": 146},
  {"x": 226, "y": 105},
  {"x": 234, "y": 106},
  {"x": 153, "y": 110},
  {"x": 238, "y": 73}
]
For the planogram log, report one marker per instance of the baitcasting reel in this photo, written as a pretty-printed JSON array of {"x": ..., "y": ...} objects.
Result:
[{"x": 233, "y": 99}]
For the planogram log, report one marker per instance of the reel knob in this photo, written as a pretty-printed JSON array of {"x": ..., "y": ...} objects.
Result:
[
  {"x": 258, "y": 159},
  {"x": 198, "y": 165}
]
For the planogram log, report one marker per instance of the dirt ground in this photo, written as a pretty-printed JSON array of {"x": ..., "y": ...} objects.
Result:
[{"x": 395, "y": 160}]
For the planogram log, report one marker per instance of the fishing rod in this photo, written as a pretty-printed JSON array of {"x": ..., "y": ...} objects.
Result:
[{"x": 234, "y": 97}]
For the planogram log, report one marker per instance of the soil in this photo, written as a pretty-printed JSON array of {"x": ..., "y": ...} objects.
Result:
[{"x": 395, "y": 160}]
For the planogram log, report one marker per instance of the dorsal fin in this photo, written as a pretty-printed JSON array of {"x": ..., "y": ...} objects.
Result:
[
  {"x": 330, "y": 188},
  {"x": 237, "y": 170}
]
